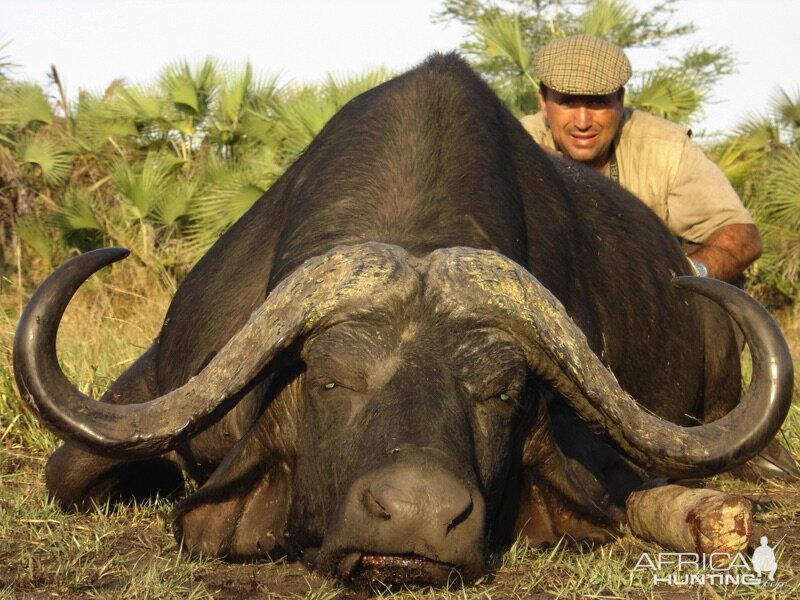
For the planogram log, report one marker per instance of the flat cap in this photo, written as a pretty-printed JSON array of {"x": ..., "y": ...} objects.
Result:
[{"x": 582, "y": 65}]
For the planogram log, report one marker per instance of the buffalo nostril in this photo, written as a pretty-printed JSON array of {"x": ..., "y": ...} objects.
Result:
[
  {"x": 461, "y": 517},
  {"x": 374, "y": 507}
]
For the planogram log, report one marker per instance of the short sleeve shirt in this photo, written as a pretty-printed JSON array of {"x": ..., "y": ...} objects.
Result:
[{"x": 658, "y": 162}]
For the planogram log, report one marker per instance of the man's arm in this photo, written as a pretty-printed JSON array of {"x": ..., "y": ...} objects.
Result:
[{"x": 729, "y": 251}]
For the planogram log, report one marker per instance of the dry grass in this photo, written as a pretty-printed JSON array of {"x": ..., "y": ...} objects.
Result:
[
  {"x": 130, "y": 553},
  {"x": 790, "y": 324}
]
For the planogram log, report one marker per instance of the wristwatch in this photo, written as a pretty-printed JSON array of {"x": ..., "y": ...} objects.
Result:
[{"x": 699, "y": 268}]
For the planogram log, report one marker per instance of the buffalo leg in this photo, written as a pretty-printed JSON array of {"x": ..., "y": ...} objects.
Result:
[{"x": 691, "y": 520}]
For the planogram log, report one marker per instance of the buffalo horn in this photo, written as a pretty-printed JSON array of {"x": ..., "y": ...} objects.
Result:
[
  {"x": 484, "y": 282},
  {"x": 336, "y": 281}
]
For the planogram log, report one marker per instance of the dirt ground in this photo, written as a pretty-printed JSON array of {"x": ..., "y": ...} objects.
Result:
[{"x": 130, "y": 553}]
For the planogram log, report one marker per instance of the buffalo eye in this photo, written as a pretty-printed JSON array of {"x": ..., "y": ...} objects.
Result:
[
  {"x": 508, "y": 399},
  {"x": 327, "y": 387},
  {"x": 505, "y": 402}
]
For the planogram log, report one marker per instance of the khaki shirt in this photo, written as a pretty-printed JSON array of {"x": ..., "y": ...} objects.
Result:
[{"x": 658, "y": 162}]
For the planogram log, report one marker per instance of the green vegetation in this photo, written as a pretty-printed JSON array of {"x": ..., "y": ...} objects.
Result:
[
  {"x": 164, "y": 167},
  {"x": 762, "y": 159},
  {"x": 161, "y": 168}
]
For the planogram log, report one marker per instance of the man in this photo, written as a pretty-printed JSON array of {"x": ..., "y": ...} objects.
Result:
[{"x": 583, "y": 117}]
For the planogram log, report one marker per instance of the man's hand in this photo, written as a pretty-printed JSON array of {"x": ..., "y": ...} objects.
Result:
[{"x": 729, "y": 251}]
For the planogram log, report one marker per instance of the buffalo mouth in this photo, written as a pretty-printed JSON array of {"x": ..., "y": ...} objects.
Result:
[{"x": 381, "y": 571}]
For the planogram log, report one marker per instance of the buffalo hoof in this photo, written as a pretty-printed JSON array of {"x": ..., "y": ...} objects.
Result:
[{"x": 773, "y": 462}]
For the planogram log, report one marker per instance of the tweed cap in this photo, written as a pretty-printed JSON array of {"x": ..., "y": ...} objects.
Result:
[{"x": 582, "y": 65}]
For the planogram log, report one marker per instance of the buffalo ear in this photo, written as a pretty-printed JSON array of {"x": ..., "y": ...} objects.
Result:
[
  {"x": 241, "y": 510},
  {"x": 245, "y": 524},
  {"x": 571, "y": 482}
]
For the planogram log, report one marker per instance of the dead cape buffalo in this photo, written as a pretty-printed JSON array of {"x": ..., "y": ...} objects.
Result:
[{"x": 425, "y": 339}]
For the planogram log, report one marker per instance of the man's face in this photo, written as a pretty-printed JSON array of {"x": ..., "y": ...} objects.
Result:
[{"x": 583, "y": 127}]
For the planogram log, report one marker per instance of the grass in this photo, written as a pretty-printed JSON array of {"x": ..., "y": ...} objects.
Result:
[
  {"x": 103, "y": 553},
  {"x": 129, "y": 552}
]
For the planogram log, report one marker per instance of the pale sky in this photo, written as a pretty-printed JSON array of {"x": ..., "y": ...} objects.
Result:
[{"x": 92, "y": 42}]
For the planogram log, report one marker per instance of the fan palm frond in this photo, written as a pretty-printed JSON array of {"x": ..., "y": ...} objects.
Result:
[
  {"x": 781, "y": 192},
  {"x": 666, "y": 95},
  {"x": 736, "y": 158},
  {"x": 786, "y": 109},
  {"x": 46, "y": 157},
  {"x": 36, "y": 235},
  {"x": 77, "y": 211},
  {"x": 338, "y": 91},
  {"x": 142, "y": 188},
  {"x": 501, "y": 35},
  {"x": 140, "y": 104},
  {"x": 24, "y": 105},
  {"x": 234, "y": 93},
  {"x": 221, "y": 205},
  {"x": 243, "y": 105},
  {"x": 299, "y": 118},
  {"x": 5, "y": 63},
  {"x": 300, "y": 112},
  {"x": 191, "y": 91},
  {"x": 757, "y": 132},
  {"x": 175, "y": 202},
  {"x": 603, "y": 18},
  {"x": 97, "y": 122}
]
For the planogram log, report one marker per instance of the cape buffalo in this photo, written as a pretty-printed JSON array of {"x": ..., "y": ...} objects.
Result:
[{"x": 426, "y": 338}]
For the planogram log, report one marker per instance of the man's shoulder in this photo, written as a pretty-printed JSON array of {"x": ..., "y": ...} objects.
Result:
[
  {"x": 535, "y": 121},
  {"x": 535, "y": 125},
  {"x": 641, "y": 125}
]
